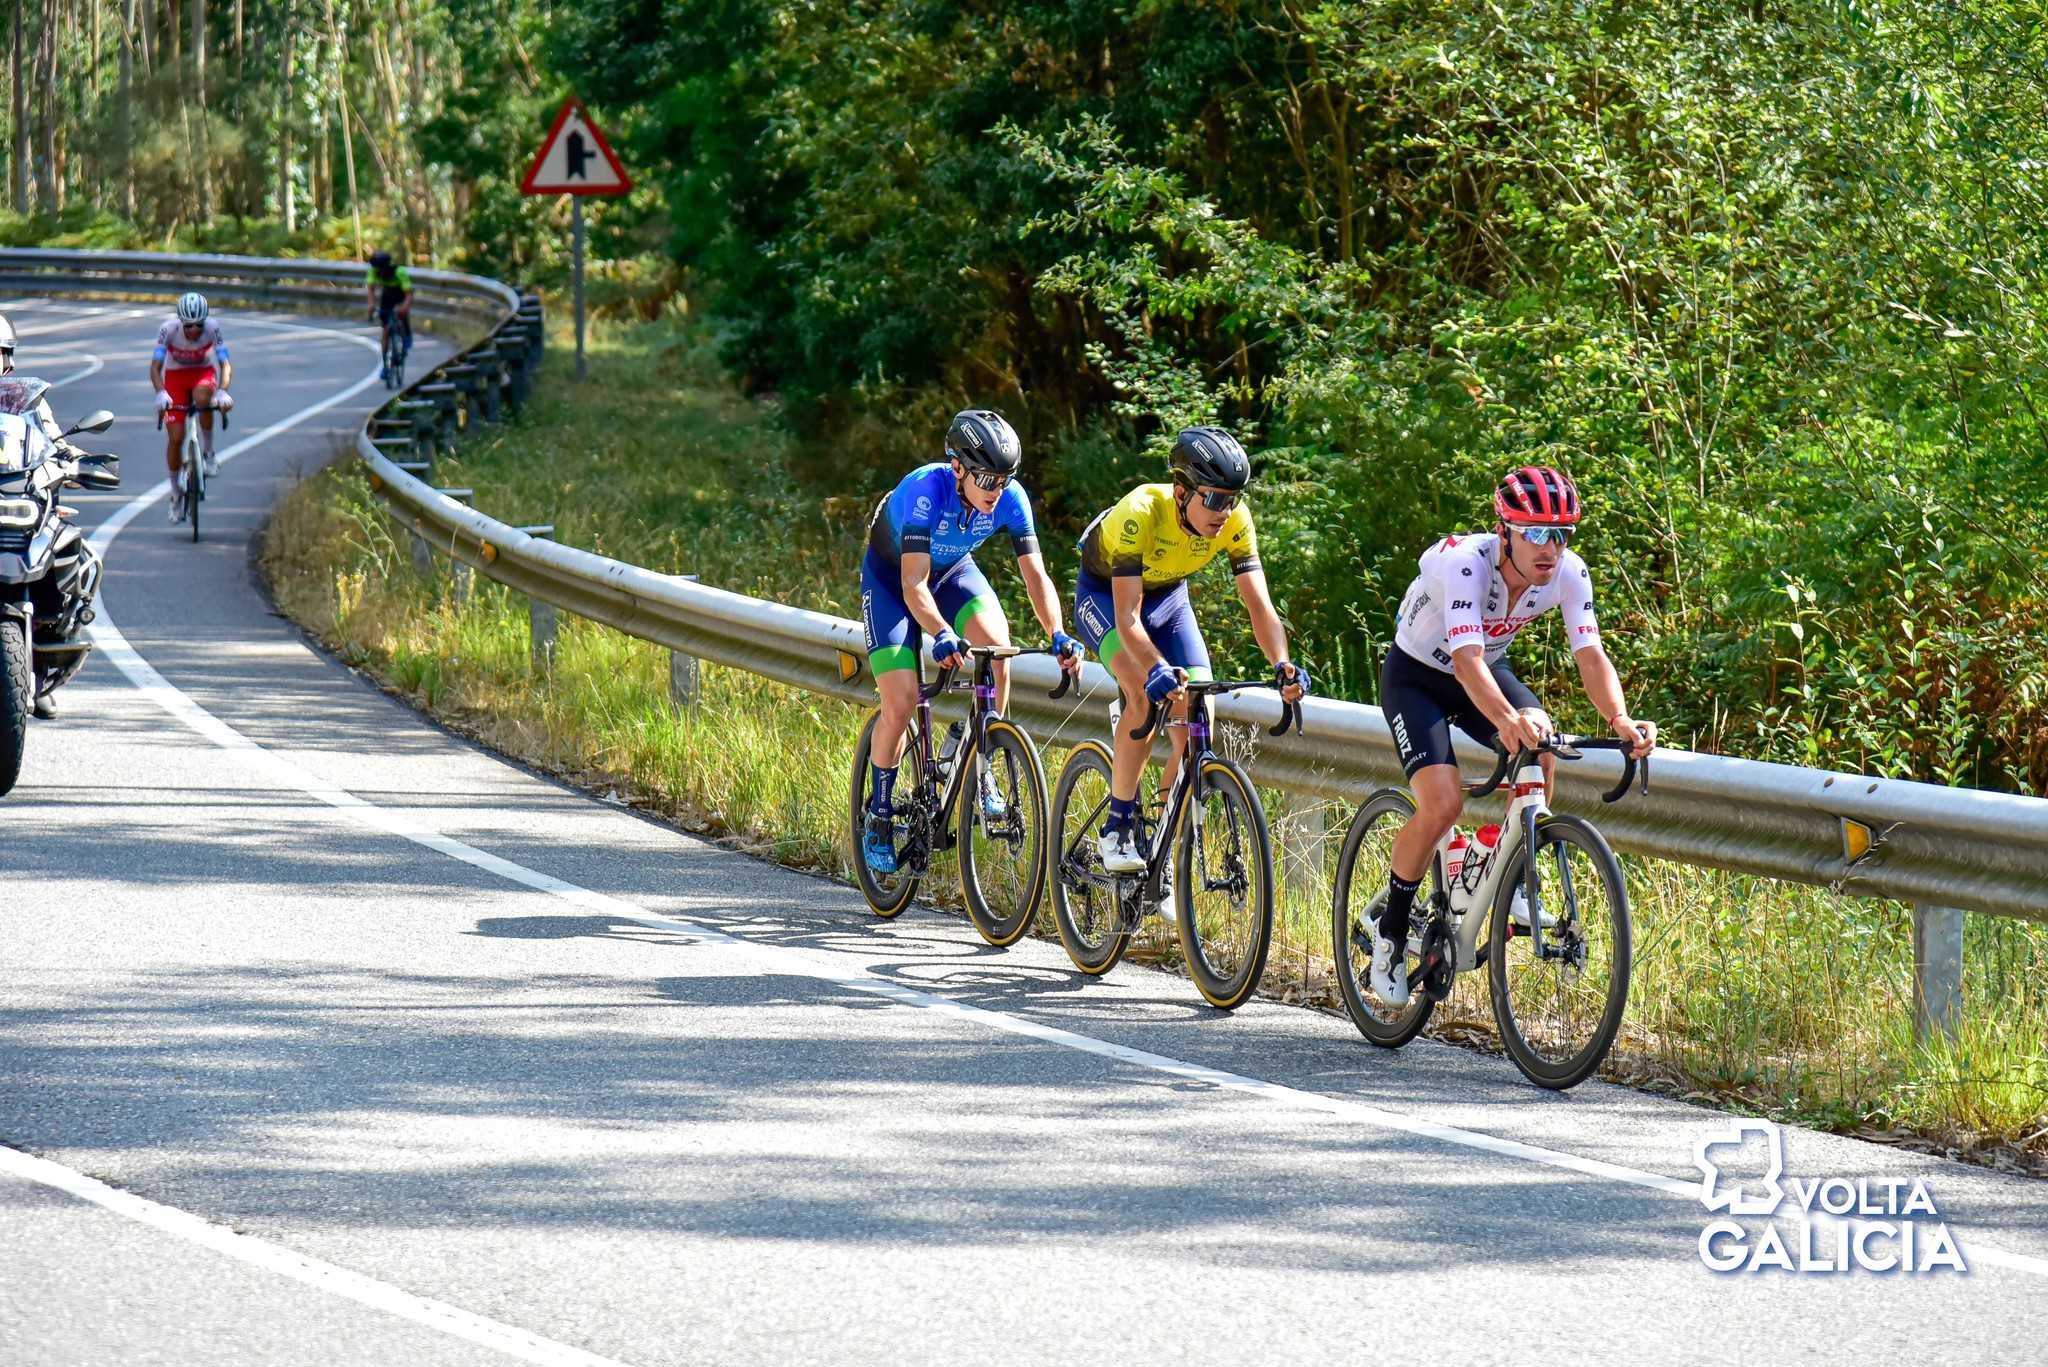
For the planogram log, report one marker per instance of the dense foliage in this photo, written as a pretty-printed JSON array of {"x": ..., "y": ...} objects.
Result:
[{"x": 1767, "y": 277}]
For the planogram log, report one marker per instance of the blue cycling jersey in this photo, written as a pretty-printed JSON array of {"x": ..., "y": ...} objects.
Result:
[{"x": 925, "y": 515}]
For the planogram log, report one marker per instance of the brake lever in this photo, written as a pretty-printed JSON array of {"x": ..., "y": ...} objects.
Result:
[
  {"x": 1152, "y": 713},
  {"x": 1065, "y": 685},
  {"x": 1289, "y": 711}
]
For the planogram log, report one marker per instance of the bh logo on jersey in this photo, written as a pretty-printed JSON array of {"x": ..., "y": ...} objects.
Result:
[{"x": 1816, "y": 1225}]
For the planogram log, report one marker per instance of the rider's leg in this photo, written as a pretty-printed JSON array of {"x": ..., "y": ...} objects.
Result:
[
  {"x": 971, "y": 608},
  {"x": 1169, "y": 618},
  {"x": 202, "y": 394},
  {"x": 892, "y": 641}
]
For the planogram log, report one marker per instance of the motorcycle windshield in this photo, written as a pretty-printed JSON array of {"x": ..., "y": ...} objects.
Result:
[
  {"x": 21, "y": 393},
  {"x": 22, "y": 444}
]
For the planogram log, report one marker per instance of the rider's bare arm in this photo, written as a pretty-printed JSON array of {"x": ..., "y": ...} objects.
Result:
[
  {"x": 1603, "y": 688},
  {"x": 1267, "y": 628},
  {"x": 917, "y": 594},
  {"x": 1043, "y": 593}
]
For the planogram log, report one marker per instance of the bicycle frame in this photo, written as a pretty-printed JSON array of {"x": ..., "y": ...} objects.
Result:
[
  {"x": 1199, "y": 729},
  {"x": 979, "y": 711},
  {"x": 1526, "y": 808}
]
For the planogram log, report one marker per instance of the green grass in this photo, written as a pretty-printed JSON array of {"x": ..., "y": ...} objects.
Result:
[{"x": 1768, "y": 997}]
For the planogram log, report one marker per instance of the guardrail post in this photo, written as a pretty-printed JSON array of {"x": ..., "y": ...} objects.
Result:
[
  {"x": 1300, "y": 824},
  {"x": 541, "y": 617},
  {"x": 1937, "y": 970},
  {"x": 488, "y": 380},
  {"x": 536, "y": 328},
  {"x": 683, "y": 679},
  {"x": 422, "y": 555},
  {"x": 512, "y": 350}
]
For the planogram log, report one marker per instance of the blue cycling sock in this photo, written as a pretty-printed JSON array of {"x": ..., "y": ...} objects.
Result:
[
  {"x": 1122, "y": 815},
  {"x": 881, "y": 789}
]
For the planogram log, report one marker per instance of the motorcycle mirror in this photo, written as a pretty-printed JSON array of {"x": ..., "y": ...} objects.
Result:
[{"x": 98, "y": 422}]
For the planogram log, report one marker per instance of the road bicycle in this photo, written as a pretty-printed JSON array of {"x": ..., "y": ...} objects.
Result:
[
  {"x": 1222, "y": 854},
  {"x": 397, "y": 340},
  {"x": 1002, "y": 811},
  {"x": 190, "y": 463},
  {"x": 1558, "y": 979}
]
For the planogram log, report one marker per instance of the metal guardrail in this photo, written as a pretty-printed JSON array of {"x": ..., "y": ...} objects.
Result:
[{"x": 1942, "y": 849}]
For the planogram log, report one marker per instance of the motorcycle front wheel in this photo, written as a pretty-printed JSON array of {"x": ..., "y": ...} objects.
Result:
[{"x": 17, "y": 693}]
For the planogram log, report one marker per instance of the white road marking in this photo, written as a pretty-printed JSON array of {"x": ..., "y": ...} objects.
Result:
[
  {"x": 247, "y": 1248},
  {"x": 93, "y": 366},
  {"x": 158, "y": 690},
  {"x": 86, "y": 318}
]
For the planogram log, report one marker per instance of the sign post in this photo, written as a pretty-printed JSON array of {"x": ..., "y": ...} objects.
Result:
[{"x": 576, "y": 161}]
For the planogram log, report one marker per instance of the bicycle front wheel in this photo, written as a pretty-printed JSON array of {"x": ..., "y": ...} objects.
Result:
[
  {"x": 1355, "y": 904},
  {"x": 1558, "y": 1011},
  {"x": 886, "y": 893},
  {"x": 195, "y": 491},
  {"x": 1223, "y": 885},
  {"x": 1084, "y": 897},
  {"x": 1003, "y": 822}
]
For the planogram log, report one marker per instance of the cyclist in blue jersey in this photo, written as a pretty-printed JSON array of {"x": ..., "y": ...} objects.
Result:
[{"x": 919, "y": 578}]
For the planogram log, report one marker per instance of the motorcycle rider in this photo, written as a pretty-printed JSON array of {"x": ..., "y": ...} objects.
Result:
[{"x": 30, "y": 398}]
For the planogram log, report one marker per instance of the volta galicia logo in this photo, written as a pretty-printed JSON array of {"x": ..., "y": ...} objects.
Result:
[{"x": 1813, "y": 1226}]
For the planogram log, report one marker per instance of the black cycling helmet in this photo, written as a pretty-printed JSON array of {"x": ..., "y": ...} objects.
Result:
[
  {"x": 1210, "y": 457},
  {"x": 380, "y": 261},
  {"x": 982, "y": 439}
]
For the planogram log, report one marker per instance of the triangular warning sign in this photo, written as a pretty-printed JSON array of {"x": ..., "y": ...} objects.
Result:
[{"x": 575, "y": 160}]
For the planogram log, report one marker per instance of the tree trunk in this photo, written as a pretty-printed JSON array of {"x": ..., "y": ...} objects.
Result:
[
  {"x": 348, "y": 142},
  {"x": 49, "y": 194},
  {"x": 18, "y": 162},
  {"x": 202, "y": 173},
  {"x": 286, "y": 199},
  {"x": 125, "y": 125}
]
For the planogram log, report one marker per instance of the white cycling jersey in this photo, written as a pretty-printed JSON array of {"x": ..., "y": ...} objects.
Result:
[
  {"x": 1460, "y": 599},
  {"x": 179, "y": 352}
]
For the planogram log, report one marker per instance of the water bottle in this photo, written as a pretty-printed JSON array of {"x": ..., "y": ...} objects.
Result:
[
  {"x": 950, "y": 746},
  {"x": 1454, "y": 857},
  {"x": 1479, "y": 856}
]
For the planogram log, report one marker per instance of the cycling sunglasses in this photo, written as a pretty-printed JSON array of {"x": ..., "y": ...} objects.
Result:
[
  {"x": 1219, "y": 500},
  {"x": 988, "y": 479},
  {"x": 1543, "y": 536}
]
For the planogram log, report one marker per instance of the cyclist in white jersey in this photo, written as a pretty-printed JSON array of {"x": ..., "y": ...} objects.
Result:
[
  {"x": 181, "y": 371},
  {"x": 1449, "y": 666}
]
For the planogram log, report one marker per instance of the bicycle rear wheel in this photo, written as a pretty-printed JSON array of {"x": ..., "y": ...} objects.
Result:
[
  {"x": 886, "y": 893},
  {"x": 1084, "y": 900},
  {"x": 1223, "y": 886},
  {"x": 1002, "y": 858},
  {"x": 1558, "y": 1014},
  {"x": 1360, "y": 893}
]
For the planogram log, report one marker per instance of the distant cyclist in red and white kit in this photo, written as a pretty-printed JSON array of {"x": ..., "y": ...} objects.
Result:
[{"x": 181, "y": 371}]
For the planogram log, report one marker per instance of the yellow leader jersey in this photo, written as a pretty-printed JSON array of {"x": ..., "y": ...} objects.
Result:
[{"x": 1142, "y": 534}]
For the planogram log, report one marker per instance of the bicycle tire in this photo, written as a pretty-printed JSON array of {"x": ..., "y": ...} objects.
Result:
[
  {"x": 1009, "y": 750},
  {"x": 1229, "y": 987},
  {"x": 17, "y": 696},
  {"x": 1557, "y": 1075},
  {"x": 884, "y": 899},
  {"x": 195, "y": 488},
  {"x": 1093, "y": 939},
  {"x": 1387, "y": 1028}
]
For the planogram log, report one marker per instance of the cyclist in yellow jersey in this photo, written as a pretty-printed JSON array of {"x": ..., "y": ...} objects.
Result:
[{"x": 1131, "y": 603}]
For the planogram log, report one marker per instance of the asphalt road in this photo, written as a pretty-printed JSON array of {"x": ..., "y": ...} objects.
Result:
[{"x": 328, "y": 1038}]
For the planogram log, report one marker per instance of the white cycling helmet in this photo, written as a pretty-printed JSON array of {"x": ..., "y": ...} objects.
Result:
[{"x": 192, "y": 307}]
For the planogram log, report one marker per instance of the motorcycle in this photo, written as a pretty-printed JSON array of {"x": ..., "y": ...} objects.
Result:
[{"x": 48, "y": 574}]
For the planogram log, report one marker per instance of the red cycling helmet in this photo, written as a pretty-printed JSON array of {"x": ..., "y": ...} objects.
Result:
[{"x": 1536, "y": 496}]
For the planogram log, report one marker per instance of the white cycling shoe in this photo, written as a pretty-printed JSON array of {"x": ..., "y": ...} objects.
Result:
[
  {"x": 1389, "y": 979},
  {"x": 209, "y": 464},
  {"x": 1518, "y": 911},
  {"x": 1164, "y": 906},
  {"x": 1119, "y": 851}
]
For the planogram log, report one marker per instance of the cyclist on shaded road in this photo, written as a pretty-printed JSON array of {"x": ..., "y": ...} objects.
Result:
[
  {"x": 389, "y": 293},
  {"x": 182, "y": 373}
]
